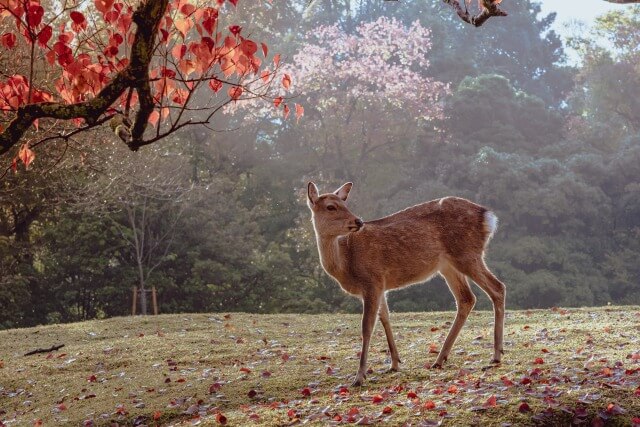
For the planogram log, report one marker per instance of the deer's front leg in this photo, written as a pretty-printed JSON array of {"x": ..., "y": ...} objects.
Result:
[
  {"x": 370, "y": 305},
  {"x": 386, "y": 324}
]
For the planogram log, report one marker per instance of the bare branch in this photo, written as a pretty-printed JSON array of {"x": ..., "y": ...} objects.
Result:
[{"x": 489, "y": 8}]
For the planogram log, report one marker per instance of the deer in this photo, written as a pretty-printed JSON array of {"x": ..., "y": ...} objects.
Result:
[{"x": 446, "y": 236}]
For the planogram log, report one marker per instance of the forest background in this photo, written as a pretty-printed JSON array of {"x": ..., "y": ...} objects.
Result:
[{"x": 216, "y": 220}]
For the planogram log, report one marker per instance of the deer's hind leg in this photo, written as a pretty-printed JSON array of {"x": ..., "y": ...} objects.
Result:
[
  {"x": 465, "y": 301},
  {"x": 496, "y": 290},
  {"x": 383, "y": 313}
]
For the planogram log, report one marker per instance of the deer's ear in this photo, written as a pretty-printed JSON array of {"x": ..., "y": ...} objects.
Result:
[
  {"x": 312, "y": 193},
  {"x": 343, "y": 192}
]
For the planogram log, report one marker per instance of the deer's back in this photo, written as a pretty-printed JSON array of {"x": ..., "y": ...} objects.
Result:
[{"x": 408, "y": 246}]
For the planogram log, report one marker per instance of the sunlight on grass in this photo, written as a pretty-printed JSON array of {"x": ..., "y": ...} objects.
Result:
[{"x": 244, "y": 369}]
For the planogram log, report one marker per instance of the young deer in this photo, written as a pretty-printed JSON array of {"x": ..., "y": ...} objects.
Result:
[{"x": 446, "y": 236}]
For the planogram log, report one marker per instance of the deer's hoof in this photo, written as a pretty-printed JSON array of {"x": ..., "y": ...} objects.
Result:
[
  {"x": 436, "y": 366},
  {"x": 392, "y": 369},
  {"x": 495, "y": 361},
  {"x": 358, "y": 381}
]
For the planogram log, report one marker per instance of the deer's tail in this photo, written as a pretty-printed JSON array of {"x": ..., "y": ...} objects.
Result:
[{"x": 490, "y": 225}]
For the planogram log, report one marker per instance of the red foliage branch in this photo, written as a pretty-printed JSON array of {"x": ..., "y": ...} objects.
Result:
[{"x": 176, "y": 48}]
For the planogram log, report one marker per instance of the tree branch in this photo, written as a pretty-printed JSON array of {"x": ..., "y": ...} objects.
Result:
[
  {"x": 136, "y": 75},
  {"x": 489, "y": 8}
]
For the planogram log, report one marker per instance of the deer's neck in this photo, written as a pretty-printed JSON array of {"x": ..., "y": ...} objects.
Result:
[{"x": 331, "y": 256}]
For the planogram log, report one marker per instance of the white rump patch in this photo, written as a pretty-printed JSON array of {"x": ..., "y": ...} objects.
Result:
[{"x": 491, "y": 222}]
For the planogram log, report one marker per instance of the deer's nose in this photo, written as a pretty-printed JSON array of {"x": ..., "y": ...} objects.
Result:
[{"x": 359, "y": 222}]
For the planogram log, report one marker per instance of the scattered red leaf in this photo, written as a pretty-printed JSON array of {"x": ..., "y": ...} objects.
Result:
[
  {"x": 524, "y": 407},
  {"x": 491, "y": 402},
  {"x": 221, "y": 419},
  {"x": 429, "y": 405}
]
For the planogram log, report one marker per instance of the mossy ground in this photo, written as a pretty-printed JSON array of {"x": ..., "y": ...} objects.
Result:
[{"x": 285, "y": 369}]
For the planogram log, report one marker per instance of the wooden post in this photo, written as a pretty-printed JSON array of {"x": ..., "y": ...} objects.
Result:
[
  {"x": 135, "y": 301},
  {"x": 154, "y": 300}
]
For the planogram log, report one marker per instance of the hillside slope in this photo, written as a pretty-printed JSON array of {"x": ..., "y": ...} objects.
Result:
[{"x": 560, "y": 366}]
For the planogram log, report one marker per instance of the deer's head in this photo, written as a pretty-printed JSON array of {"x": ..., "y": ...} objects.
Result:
[{"x": 330, "y": 215}]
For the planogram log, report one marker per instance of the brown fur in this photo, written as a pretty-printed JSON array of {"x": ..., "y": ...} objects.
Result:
[{"x": 446, "y": 236}]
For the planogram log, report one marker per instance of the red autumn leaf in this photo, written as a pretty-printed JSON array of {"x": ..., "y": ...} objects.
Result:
[
  {"x": 452, "y": 389},
  {"x": 433, "y": 348},
  {"x": 538, "y": 361},
  {"x": 8, "y": 40},
  {"x": 276, "y": 59},
  {"x": 104, "y": 6},
  {"x": 266, "y": 374},
  {"x": 35, "y": 12},
  {"x": 524, "y": 407},
  {"x": 544, "y": 350},
  {"x": 306, "y": 392},
  {"x": 429, "y": 405},
  {"x": 353, "y": 411},
  {"x": 506, "y": 381},
  {"x": 245, "y": 370},
  {"x": 377, "y": 398},
  {"x": 412, "y": 395},
  {"x": 187, "y": 9},
  {"x": 277, "y": 101},
  {"x": 214, "y": 387},
  {"x": 299, "y": 111},
  {"x": 62, "y": 407},
  {"x": 491, "y": 402},
  {"x": 235, "y": 29},
  {"x": 77, "y": 17},
  {"x": 92, "y": 379},
  {"x": 26, "y": 155},
  {"x": 14, "y": 168},
  {"x": 235, "y": 92},
  {"x": 525, "y": 380},
  {"x": 265, "y": 49},
  {"x": 221, "y": 419},
  {"x": 215, "y": 85},
  {"x": 252, "y": 393},
  {"x": 387, "y": 410},
  {"x": 154, "y": 117},
  {"x": 286, "y": 81},
  {"x": 233, "y": 2},
  {"x": 286, "y": 111},
  {"x": 248, "y": 47},
  {"x": 157, "y": 415},
  {"x": 45, "y": 35},
  {"x": 285, "y": 357}
]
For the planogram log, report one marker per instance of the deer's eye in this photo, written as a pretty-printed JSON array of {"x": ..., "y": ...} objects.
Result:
[{"x": 331, "y": 208}]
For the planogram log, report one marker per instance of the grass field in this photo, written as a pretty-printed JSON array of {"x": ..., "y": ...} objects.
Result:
[{"x": 579, "y": 366}]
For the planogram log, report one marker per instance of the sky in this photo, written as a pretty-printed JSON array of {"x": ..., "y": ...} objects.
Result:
[{"x": 570, "y": 10}]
